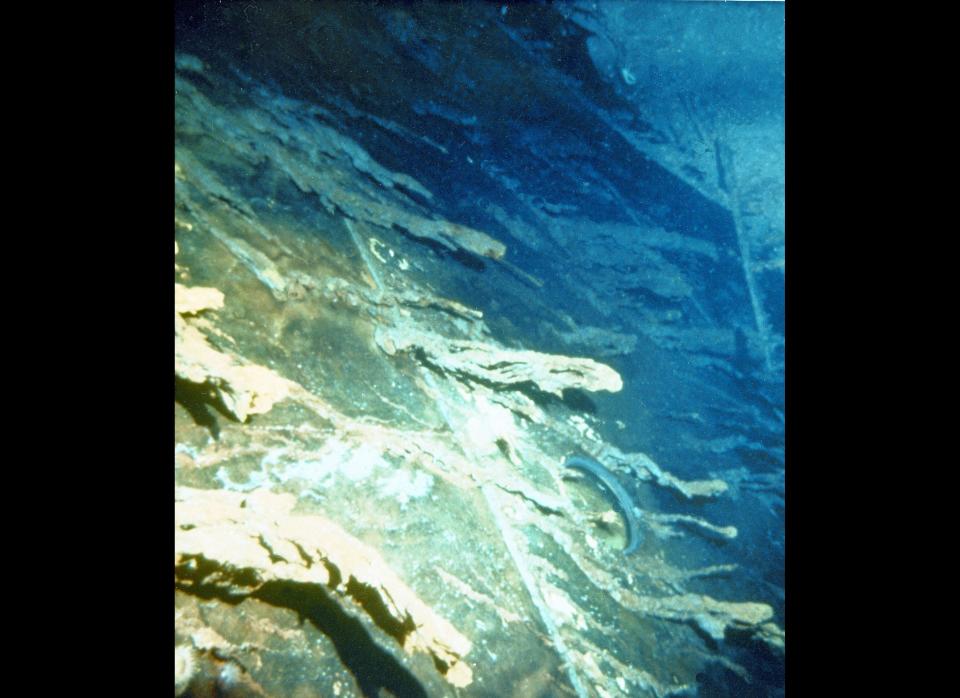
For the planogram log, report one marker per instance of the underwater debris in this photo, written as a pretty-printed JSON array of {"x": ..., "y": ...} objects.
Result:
[
  {"x": 184, "y": 668},
  {"x": 235, "y": 543},
  {"x": 552, "y": 373},
  {"x": 268, "y": 161},
  {"x": 726, "y": 532},
  {"x": 455, "y": 236},
  {"x": 521, "y": 558},
  {"x": 243, "y": 388},
  {"x": 711, "y": 616},
  {"x": 317, "y": 158},
  {"x": 622, "y": 499},
  {"x": 646, "y": 469},
  {"x": 414, "y": 299},
  {"x": 190, "y": 301},
  {"x": 258, "y": 263}
]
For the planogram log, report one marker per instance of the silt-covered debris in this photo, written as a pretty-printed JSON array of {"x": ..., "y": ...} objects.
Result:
[{"x": 370, "y": 485}]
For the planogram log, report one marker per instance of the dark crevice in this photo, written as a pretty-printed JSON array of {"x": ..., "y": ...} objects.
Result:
[
  {"x": 202, "y": 403},
  {"x": 468, "y": 260},
  {"x": 579, "y": 401},
  {"x": 273, "y": 556},
  {"x": 414, "y": 196},
  {"x": 375, "y": 669},
  {"x": 203, "y": 578},
  {"x": 372, "y": 602}
]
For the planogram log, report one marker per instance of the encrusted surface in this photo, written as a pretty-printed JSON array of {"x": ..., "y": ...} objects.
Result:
[{"x": 375, "y": 394}]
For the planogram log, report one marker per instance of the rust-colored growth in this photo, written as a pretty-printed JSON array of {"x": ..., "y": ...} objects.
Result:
[{"x": 239, "y": 542}]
